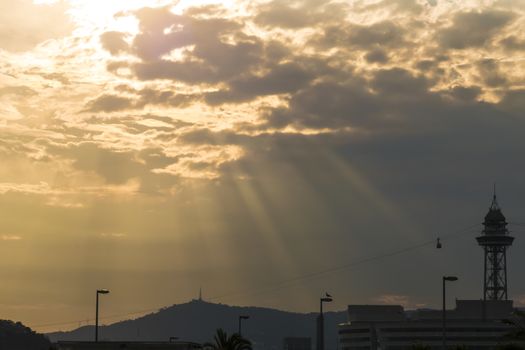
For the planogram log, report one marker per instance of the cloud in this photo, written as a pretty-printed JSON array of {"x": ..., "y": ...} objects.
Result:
[
  {"x": 138, "y": 99},
  {"x": 109, "y": 103},
  {"x": 299, "y": 14},
  {"x": 392, "y": 299},
  {"x": 114, "y": 42},
  {"x": 10, "y": 238},
  {"x": 41, "y": 188},
  {"x": 513, "y": 101},
  {"x": 376, "y": 56},
  {"x": 17, "y": 90},
  {"x": 281, "y": 79},
  {"x": 381, "y": 34},
  {"x": 211, "y": 50},
  {"x": 116, "y": 167},
  {"x": 513, "y": 43},
  {"x": 474, "y": 29},
  {"x": 24, "y": 24},
  {"x": 490, "y": 74},
  {"x": 116, "y": 235},
  {"x": 243, "y": 130}
]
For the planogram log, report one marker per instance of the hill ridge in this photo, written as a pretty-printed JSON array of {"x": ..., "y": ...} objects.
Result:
[{"x": 197, "y": 320}]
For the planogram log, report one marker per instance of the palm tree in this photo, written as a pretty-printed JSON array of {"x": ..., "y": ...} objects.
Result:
[{"x": 224, "y": 342}]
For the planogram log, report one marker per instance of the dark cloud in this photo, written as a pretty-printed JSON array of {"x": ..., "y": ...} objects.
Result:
[
  {"x": 400, "y": 82},
  {"x": 329, "y": 104},
  {"x": 109, "y": 103},
  {"x": 513, "y": 43},
  {"x": 384, "y": 34},
  {"x": 284, "y": 78},
  {"x": 392, "y": 100},
  {"x": 473, "y": 29},
  {"x": 376, "y": 56},
  {"x": 169, "y": 98},
  {"x": 117, "y": 167},
  {"x": 299, "y": 14},
  {"x": 514, "y": 102},
  {"x": 138, "y": 99},
  {"x": 465, "y": 93},
  {"x": 114, "y": 42},
  {"x": 394, "y": 6},
  {"x": 490, "y": 73},
  {"x": 211, "y": 59}
]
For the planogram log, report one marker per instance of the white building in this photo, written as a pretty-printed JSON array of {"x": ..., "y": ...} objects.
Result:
[{"x": 473, "y": 324}]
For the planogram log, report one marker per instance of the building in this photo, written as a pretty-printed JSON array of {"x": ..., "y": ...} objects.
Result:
[
  {"x": 473, "y": 324},
  {"x": 297, "y": 343},
  {"x": 116, "y": 345}
]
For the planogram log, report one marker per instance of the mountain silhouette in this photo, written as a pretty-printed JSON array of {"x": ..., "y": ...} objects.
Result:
[
  {"x": 16, "y": 336},
  {"x": 198, "y": 320}
]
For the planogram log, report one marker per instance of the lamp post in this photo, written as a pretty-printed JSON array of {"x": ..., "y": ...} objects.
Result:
[
  {"x": 444, "y": 315},
  {"x": 99, "y": 291},
  {"x": 320, "y": 337},
  {"x": 242, "y": 317}
]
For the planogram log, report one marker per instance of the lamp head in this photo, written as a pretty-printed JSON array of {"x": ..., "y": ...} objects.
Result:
[
  {"x": 244, "y": 317},
  {"x": 450, "y": 278},
  {"x": 102, "y": 291},
  {"x": 326, "y": 300}
]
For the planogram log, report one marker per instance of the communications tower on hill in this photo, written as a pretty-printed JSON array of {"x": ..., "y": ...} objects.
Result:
[{"x": 495, "y": 239}]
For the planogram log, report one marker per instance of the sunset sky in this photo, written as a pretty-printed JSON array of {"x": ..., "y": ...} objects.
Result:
[{"x": 156, "y": 147}]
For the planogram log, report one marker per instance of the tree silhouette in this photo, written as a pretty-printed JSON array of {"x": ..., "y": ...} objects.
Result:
[{"x": 224, "y": 342}]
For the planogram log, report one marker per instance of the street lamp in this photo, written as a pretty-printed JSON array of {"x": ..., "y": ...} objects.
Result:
[
  {"x": 99, "y": 291},
  {"x": 242, "y": 317},
  {"x": 444, "y": 315},
  {"x": 320, "y": 337}
]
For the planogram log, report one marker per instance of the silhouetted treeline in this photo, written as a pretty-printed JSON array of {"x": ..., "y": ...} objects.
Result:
[{"x": 16, "y": 336}]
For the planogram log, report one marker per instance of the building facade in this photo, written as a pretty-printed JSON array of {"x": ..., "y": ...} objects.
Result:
[{"x": 473, "y": 324}]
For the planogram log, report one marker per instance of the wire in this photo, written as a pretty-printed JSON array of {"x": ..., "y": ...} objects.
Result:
[{"x": 285, "y": 283}]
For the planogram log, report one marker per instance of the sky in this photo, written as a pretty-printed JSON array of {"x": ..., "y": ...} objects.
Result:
[{"x": 264, "y": 151}]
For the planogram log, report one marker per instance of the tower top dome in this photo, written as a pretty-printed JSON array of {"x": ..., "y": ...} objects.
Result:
[{"x": 494, "y": 215}]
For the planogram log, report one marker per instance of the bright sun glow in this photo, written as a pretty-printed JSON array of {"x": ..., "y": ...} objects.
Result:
[{"x": 116, "y": 15}]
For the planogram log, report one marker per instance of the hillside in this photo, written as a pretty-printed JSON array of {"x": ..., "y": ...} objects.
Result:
[
  {"x": 197, "y": 321},
  {"x": 16, "y": 336}
]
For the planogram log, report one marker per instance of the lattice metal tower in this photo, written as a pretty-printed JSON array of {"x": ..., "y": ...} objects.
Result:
[{"x": 495, "y": 239}]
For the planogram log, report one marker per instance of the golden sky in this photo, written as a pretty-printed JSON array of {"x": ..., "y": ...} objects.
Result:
[{"x": 155, "y": 147}]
